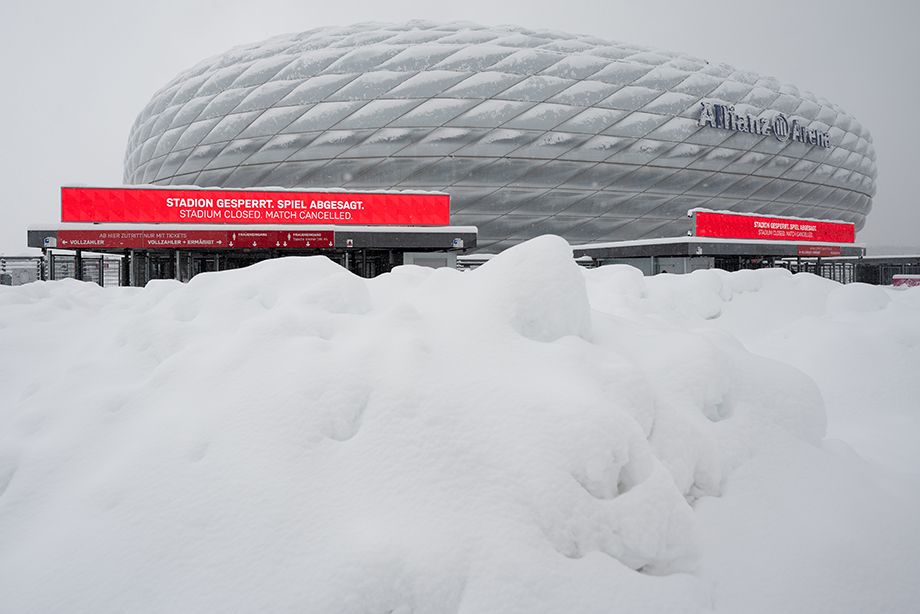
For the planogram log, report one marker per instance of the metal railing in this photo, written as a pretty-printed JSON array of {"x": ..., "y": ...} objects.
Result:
[
  {"x": 18, "y": 270},
  {"x": 99, "y": 269}
]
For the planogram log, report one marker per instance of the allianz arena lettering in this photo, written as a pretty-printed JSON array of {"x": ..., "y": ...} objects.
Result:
[
  {"x": 724, "y": 117},
  {"x": 529, "y": 131}
]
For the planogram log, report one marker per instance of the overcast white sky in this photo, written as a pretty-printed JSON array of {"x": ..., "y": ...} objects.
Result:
[{"x": 75, "y": 74}]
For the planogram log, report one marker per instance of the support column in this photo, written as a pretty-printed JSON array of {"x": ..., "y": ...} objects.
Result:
[
  {"x": 124, "y": 272},
  {"x": 78, "y": 265}
]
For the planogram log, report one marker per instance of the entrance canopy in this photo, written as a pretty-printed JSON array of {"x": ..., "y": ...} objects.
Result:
[
  {"x": 731, "y": 241},
  {"x": 715, "y": 247},
  {"x": 168, "y": 231},
  {"x": 731, "y": 234},
  {"x": 288, "y": 238}
]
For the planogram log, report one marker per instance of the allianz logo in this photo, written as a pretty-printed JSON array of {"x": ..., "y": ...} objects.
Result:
[{"x": 782, "y": 127}]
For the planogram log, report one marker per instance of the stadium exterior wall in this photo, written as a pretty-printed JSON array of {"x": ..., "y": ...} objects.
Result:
[{"x": 530, "y": 132}]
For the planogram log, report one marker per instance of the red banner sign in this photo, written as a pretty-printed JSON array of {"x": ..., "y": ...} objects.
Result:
[
  {"x": 734, "y": 226},
  {"x": 905, "y": 281},
  {"x": 818, "y": 250},
  {"x": 194, "y": 239},
  {"x": 146, "y": 205}
]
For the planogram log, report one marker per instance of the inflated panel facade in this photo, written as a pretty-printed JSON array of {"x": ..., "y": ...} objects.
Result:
[{"x": 530, "y": 131}]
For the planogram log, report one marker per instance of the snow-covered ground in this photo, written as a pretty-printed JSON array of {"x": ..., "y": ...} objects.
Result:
[{"x": 528, "y": 437}]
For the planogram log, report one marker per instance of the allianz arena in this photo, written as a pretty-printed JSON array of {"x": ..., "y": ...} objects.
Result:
[{"x": 529, "y": 131}]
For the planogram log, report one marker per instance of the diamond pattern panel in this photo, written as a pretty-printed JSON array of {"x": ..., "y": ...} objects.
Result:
[{"x": 531, "y": 131}]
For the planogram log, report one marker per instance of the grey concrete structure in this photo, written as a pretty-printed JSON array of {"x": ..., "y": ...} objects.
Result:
[{"x": 530, "y": 131}]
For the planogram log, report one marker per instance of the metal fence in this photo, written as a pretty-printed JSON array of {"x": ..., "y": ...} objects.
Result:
[
  {"x": 102, "y": 270},
  {"x": 843, "y": 271},
  {"x": 18, "y": 270},
  {"x": 875, "y": 270},
  {"x": 99, "y": 269}
]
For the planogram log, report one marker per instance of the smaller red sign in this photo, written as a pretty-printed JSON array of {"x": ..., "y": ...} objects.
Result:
[
  {"x": 818, "y": 250},
  {"x": 141, "y": 239},
  {"x": 195, "y": 239},
  {"x": 302, "y": 239},
  {"x": 737, "y": 226},
  {"x": 252, "y": 239}
]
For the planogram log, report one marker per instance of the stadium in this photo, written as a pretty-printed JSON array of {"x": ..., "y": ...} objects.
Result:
[{"x": 528, "y": 131}]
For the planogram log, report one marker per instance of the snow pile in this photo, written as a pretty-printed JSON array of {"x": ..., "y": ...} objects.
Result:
[
  {"x": 803, "y": 527},
  {"x": 528, "y": 437}
]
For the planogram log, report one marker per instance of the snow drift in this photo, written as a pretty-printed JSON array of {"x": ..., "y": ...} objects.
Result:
[{"x": 528, "y": 437}]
